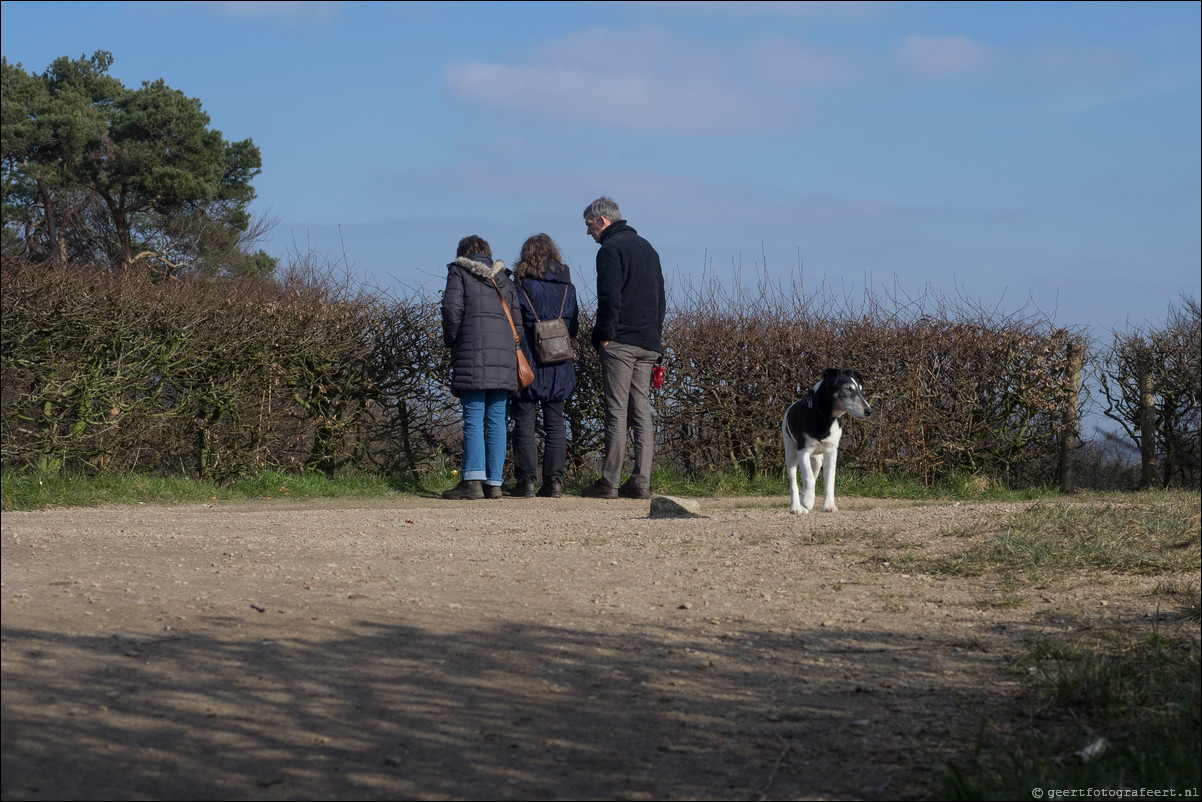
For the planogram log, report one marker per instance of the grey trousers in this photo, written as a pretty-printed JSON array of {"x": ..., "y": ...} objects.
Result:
[{"x": 626, "y": 380}]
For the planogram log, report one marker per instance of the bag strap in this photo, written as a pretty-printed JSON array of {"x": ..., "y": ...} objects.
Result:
[
  {"x": 533, "y": 311},
  {"x": 562, "y": 304},
  {"x": 505, "y": 305}
]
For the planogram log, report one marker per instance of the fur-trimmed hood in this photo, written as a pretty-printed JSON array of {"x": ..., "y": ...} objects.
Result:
[
  {"x": 477, "y": 306},
  {"x": 481, "y": 269}
]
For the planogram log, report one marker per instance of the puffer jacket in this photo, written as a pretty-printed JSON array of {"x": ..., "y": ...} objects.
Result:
[
  {"x": 475, "y": 328},
  {"x": 551, "y": 382}
]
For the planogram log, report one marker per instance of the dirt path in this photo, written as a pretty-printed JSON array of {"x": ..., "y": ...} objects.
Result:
[{"x": 516, "y": 649}]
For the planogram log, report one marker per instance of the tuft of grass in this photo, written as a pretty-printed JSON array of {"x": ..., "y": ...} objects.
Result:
[
  {"x": 48, "y": 488},
  {"x": 673, "y": 482},
  {"x": 885, "y": 550},
  {"x": 1192, "y": 610},
  {"x": 882, "y": 485},
  {"x": 41, "y": 490},
  {"x": 1187, "y": 595},
  {"x": 1158, "y": 533},
  {"x": 977, "y": 487},
  {"x": 1135, "y": 699},
  {"x": 276, "y": 485}
]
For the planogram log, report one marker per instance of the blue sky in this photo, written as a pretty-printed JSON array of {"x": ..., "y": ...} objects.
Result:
[{"x": 998, "y": 152}]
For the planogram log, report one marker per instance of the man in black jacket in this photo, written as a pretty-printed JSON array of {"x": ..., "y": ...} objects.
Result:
[{"x": 630, "y": 321}]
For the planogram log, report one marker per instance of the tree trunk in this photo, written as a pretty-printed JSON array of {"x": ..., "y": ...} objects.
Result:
[
  {"x": 1147, "y": 421},
  {"x": 1068, "y": 439},
  {"x": 56, "y": 242},
  {"x": 125, "y": 252}
]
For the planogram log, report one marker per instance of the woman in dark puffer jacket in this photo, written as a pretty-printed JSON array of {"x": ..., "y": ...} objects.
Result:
[
  {"x": 483, "y": 364},
  {"x": 545, "y": 292}
]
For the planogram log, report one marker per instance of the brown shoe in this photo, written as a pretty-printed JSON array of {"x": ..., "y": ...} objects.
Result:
[
  {"x": 492, "y": 491},
  {"x": 600, "y": 489},
  {"x": 552, "y": 488},
  {"x": 631, "y": 490},
  {"x": 465, "y": 491}
]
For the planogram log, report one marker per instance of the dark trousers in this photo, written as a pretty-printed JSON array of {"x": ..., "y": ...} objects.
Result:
[{"x": 525, "y": 440}]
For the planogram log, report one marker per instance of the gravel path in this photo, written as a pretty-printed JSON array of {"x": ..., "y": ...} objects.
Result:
[{"x": 513, "y": 649}]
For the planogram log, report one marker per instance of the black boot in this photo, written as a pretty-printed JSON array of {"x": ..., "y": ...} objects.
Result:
[
  {"x": 630, "y": 490},
  {"x": 600, "y": 489},
  {"x": 465, "y": 491}
]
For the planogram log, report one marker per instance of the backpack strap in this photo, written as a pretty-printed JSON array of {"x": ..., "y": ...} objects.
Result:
[
  {"x": 562, "y": 304},
  {"x": 533, "y": 311}
]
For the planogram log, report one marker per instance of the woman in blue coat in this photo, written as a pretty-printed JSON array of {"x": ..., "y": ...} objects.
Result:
[
  {"x": 483, "y": 361},
  {"x": 545, "y": 292}
]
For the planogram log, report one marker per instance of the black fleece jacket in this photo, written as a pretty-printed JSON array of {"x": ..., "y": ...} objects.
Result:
[{"x": 630, "y": 290}]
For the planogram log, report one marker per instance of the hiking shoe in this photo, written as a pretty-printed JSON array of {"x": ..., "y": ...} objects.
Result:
[
  {"x": 465, "y": 491},
  {"x": 492, "y": 491},
  {"x": 630, "y": 490},
  {"x": 552, "y": 488},
  {"x": 600, "y": 489},
  {"x": 523, "y": 490}
]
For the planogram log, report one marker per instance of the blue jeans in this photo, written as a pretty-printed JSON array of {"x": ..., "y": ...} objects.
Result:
[{"x": 483, "y": 435}]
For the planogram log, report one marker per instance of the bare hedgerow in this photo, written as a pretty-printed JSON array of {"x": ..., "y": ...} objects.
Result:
[
  {"x": 1169, "y": 357},
  {"x": 52, "y": 344},
  {"x": 584, "y": 411},
  {"x": 954, "y": 387},
  {"x": 416, "y": 414},
  {"x": 113, "y": 370},
  {"x": 107, "y": 370}
]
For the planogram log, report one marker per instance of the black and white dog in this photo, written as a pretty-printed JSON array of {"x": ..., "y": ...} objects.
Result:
[{"x": 812, "y": 430}]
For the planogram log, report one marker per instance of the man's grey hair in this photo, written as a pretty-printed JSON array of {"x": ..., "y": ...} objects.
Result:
[{"x": 603, "y": 207}]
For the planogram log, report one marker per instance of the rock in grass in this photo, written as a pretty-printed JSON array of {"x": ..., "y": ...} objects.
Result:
[{"x": 673, "y": 507}]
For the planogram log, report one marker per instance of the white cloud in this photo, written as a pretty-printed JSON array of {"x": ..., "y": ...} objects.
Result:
[
  {"x": 653, "y": 79},
  {"x": 627, "y": 100},
  {"x": 939, "y": 56},
  {"x": 656, "y": 79}
]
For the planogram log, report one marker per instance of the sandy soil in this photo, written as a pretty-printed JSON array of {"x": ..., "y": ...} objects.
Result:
[{"x": 512, "y": 649}]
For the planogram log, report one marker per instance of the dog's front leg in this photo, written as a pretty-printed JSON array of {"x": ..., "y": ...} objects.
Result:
[
  {"x": 828, "y": 483},
  {"x": 810, "y": 465},
  {"x": 791, "y": 471}
]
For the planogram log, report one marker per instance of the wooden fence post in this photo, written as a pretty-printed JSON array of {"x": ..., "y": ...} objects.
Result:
[{"x": 1068, "y": 425}]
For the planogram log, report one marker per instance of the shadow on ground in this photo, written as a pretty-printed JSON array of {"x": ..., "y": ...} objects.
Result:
[{"x": 504, "y": 711}]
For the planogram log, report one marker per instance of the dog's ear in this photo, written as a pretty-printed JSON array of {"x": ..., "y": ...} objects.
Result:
[
  {"x": 830, "y": 375},
  {"x": 855, "y": 374}
]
